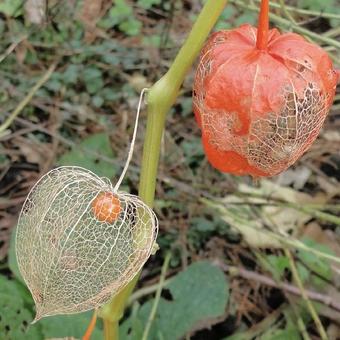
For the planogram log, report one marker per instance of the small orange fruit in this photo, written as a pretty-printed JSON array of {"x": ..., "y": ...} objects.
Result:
[{"x": 106, "y": 207}]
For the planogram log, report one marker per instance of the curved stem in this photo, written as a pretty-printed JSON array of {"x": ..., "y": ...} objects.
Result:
[
  {"x": 263, "y": 26},
  {"x": 161, "y": 97}
]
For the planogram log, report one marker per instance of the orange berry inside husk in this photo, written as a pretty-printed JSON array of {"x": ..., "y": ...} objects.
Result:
[{"x": 106, "y": 207}]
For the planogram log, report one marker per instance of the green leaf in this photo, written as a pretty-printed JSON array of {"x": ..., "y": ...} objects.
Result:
[
  {"x": 224, "y": 19},
  {"x": 289, "y": 332},
  {"x": 98, "y": 143},
  {"x": 317, "y": 5},
  {"x": 119, "y": 12},
  {"x": 51, "y": 327},
  {"x": 131, "y": 27},
  {"x": 11, "y": 7},
  {"x": 246, "y": 17},
  {"x": 75, "y": 325},
  {"x": 303, "y": 272},
  {"x": 12, "y": 259},
  {"x": 15, "y": 315},
  {"x": 97, "y": 101},
  {"x": 277, "y": 265},
  {"x": 93, "y": 79},
  {"x": 202, "y": 224},
  {"x": 199, "y": 293},
  {"x": 71, "y": 74},
  {"x": 319, "y": 265},
  {"x": 146, "y": 4}
]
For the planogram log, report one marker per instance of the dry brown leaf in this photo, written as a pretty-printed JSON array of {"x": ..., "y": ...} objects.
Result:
[
  {"x": 33, "y": 152},
  {"x": 330, "y": 187},
  {"x": 90, "y": 14},
  {"x": 35, "y": 11},
  {"x": 297, "y": 177},
  {"x": 240, "y": 215},
  {"x": 6, "y": 223},
  {"x": 21, "y": 51}
]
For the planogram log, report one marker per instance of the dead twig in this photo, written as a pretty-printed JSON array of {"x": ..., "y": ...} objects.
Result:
[{"x": 251, "y": 275}]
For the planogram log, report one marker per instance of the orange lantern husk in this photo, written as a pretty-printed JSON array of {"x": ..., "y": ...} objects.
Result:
[{"x": 261, "y": 97}]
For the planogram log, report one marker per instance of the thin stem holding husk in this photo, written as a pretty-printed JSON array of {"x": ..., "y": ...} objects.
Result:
[
  {"x": 263, "y": 26},
  {"x": 288, "y": 24}
]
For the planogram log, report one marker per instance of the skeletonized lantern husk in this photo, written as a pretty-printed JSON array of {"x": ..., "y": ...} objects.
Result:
[{"x": 71, "y": 257}]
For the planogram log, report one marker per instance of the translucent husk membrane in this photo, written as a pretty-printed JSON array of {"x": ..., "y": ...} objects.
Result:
[
  {"x": 260, "y": 110},
  {"x": 70, "y": 260}
]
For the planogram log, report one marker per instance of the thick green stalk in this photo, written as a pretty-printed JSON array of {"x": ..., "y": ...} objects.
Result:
[{"x": 161, "y": 97}]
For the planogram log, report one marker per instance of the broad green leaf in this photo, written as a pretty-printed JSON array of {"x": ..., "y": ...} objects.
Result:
[
  {"x": 277, "y": 265},
  {"x": 303, "y": 272},
  {"x": 11, "y": 7},
  {"x": 15, "y": 314},
  {"x": 289, "y": 332},
  {"x": 317, "y": 5},
  {"x": 93, "y": 79},
  {"x": 12, "y": 259},
  {"x": 120, "y": 11},
  {"x": 148, "y": 3},
  {"x": 74, "y": 325},
  {"x": 131, "y": 26},
  {"x": 238, "y": 336},
  {"x": 224, "y": 19},
  {"x": 51, "y": 327},
  {"x": 284, "y": 334},
  {"x": 199, "y": 293},
  {"x": 319, "y": 265},
  {"x": 71, "y": 74},
  {"x": 202, "y": 224},
  {"x": 247, "y": 17},
  {"x": 98, "y": 143}
]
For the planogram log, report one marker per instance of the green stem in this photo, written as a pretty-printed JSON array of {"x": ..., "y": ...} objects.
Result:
[
  {"x": 111, "y": 330},
  {"x": 164, "y": 93},
  {"x": 305, "y": 297},
  {"x": 286, "y": 12},
  {"x": 161, "y": 97},
  {"x": 157, "y": 297}
]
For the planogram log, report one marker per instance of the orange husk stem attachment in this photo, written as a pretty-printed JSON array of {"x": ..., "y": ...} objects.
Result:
[{"x": 263, "y": 26}]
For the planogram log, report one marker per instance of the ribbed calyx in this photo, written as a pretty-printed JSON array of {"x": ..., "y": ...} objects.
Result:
[{"x": 261, "y": 104}]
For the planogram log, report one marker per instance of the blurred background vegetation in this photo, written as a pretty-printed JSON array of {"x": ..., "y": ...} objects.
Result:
[{"x": 231, "y": 275}]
